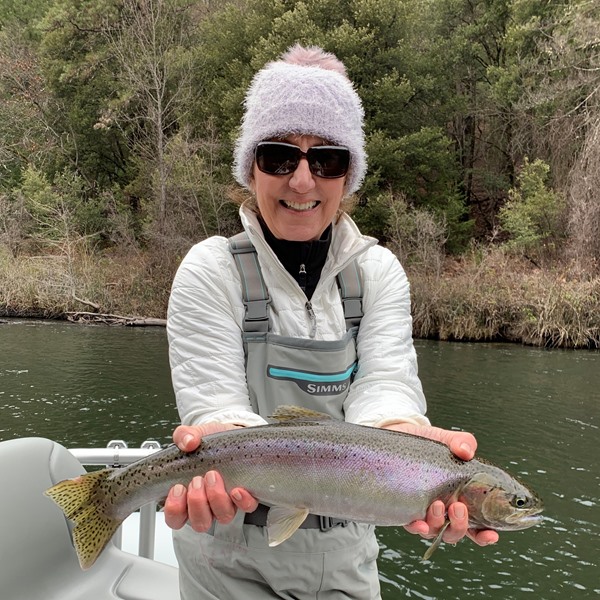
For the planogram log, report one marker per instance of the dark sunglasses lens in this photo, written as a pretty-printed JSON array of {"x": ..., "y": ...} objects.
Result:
[
  {"x": 277, "y": 159},
  {"x": 328, "y": 161}
]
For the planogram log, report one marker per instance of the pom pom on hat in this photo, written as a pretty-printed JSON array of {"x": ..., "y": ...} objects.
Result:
[{"x": 306, "y": 92}]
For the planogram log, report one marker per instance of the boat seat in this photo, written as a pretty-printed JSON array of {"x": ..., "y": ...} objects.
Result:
[{"x": 37, "y": 558}]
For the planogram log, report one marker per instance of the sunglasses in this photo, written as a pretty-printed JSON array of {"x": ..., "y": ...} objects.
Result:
[{"x": 279, "y": 158}]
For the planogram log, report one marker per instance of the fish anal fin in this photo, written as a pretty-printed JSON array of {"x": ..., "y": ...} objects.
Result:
[{"x": 282, "y": 522}]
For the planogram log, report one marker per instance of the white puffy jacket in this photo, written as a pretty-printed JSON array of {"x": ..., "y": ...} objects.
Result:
[{"x": 206, "y": 312}]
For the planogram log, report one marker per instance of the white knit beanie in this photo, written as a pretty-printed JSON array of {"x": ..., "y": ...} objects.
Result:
[{"x": 290, "y": 98}]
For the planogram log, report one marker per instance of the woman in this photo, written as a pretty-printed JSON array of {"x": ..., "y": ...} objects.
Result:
[{"x": 325, "y": 325}]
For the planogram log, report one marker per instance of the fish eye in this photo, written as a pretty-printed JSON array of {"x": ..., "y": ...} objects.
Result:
[{"x": 520, "y": 501}]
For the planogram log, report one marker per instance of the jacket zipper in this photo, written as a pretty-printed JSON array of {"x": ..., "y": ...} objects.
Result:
[
  {"x": 308, "y": 305},
  {"x": 313, "y": 319}
]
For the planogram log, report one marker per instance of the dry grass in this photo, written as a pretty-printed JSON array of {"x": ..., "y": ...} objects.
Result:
[
  {"x": 489, "y": 296},
  {"x": 484, "y": 296},
  {"x": 50, "y": 286}
]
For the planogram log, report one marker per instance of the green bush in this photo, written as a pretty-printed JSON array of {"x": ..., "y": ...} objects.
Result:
[{"x": 533, "y": 215}]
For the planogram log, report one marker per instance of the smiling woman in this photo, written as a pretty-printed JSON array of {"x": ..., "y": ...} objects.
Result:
[{"x": 300, "y": 308}]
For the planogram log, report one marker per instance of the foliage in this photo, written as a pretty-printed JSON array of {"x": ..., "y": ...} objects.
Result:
[
  {"x": 584, "y": 206},
  {"x": 118, "y": 118},
  {"x": 533, "y": 216},
  {"x": 199, "y": 202},
  {"x": 416, "y": 236},
  {"x": 441, "y": 82},
  {"x": 80, "y": 72}
]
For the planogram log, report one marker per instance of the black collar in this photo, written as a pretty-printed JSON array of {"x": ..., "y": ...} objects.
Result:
[{"x": 304, "y": 261}]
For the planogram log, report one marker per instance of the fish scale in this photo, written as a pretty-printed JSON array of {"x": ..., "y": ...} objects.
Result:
[{"x": 307, "y": 462}]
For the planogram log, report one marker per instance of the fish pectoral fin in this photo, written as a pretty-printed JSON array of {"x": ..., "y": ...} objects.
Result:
[
  {"x": 436, "y": 543},
  {"x": 282, "y": 522}
]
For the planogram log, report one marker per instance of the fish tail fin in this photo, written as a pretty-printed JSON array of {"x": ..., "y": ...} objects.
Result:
[{"x": 80, "y": 501}]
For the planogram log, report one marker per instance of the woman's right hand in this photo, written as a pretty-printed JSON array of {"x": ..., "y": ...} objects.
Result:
[{"x": 205, "y": 498}]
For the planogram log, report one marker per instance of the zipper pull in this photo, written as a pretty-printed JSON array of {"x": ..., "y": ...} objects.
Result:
[
  {"x": 302, "y": 277},
  {"x": 313, "y": 319}
]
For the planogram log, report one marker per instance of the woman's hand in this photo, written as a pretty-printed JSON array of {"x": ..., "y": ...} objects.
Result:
[
  {"x": 463, "y": 445},
  {"x": 205, "y": 498}
]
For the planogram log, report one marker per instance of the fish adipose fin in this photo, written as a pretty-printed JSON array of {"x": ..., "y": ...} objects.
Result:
[
  {"x": 78, "y": 499},
  {"x": 283, "y": 522},
  {"x": 298, "y": 414}
]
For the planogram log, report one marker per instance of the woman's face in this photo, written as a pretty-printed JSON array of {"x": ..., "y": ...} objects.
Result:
[{"x": 298, "y": 206}]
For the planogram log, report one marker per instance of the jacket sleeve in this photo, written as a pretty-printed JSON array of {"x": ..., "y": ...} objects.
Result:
[
  {"x": 387, "y": 388},
  {"x": 205, "y": 342}
]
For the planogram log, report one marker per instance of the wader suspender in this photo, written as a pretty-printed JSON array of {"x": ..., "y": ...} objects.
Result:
[{"x": 256, "y": 296}]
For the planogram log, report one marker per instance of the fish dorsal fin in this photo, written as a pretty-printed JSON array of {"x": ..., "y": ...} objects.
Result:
[
  {"x": 282, "y": 522},
  {"x": 296, "y": 413}
]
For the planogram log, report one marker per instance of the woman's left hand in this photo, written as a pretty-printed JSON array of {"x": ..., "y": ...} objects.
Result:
[{"x": 463, "y": 445}]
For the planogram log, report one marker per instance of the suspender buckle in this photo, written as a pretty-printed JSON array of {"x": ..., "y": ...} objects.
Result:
[
  {"x": 256, "y": 319},
  {"x": 352, "y": 311}
]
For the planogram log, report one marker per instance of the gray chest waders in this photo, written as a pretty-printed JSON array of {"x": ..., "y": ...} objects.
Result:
[{"x": 314, "y": 374}]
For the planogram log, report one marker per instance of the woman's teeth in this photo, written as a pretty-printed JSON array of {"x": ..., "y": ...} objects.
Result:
[{"x": 299, "y": 206}]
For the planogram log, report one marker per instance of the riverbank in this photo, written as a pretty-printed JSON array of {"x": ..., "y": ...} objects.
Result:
[
  {"x": 484, "y": 302},
  {"x": 52, "y": 286},
  {"x": 489, "y": 298}
]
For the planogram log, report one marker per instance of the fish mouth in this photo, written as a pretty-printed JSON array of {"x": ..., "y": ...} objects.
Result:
[
  {"x": 531, "y": 520},
  {"x": 526, "y": 521}
]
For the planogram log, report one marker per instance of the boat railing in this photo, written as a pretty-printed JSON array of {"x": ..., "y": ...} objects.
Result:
[{"x": 118, "y": 454}]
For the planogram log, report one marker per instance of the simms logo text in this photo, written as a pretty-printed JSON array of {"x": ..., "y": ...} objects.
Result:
[{"x": 319, "y": 389}]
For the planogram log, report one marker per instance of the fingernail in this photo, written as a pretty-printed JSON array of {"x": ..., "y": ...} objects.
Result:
[
  {"x": 197, "y": 483},
  {"x": 467, "y": 448},
  {"x": 236, "y": 495},
  {"x": 211, "y": 478},
  {"x": 459, "y": 512},
  {"x": 178, "y": 491},
  {"x": 438, "y": 510},
  {"x": 187, "y": 439}
]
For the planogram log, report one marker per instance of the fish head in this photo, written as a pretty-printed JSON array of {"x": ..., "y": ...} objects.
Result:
[{"x": 495, "y": 500}]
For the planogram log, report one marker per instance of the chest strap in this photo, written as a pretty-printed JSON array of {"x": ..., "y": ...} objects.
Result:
[
  {"x": 351, "y": 291},
  {"x": 255, "y": 295}
]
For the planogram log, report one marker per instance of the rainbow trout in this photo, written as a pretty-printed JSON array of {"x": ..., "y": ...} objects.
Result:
[{"x": 307, "y": 462}]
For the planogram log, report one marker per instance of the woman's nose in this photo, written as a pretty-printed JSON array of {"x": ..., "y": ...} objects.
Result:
[{"x": 302, "y": 180}]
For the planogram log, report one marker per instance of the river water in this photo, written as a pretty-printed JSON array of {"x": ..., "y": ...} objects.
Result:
[{"x": 535, "y": 412}]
